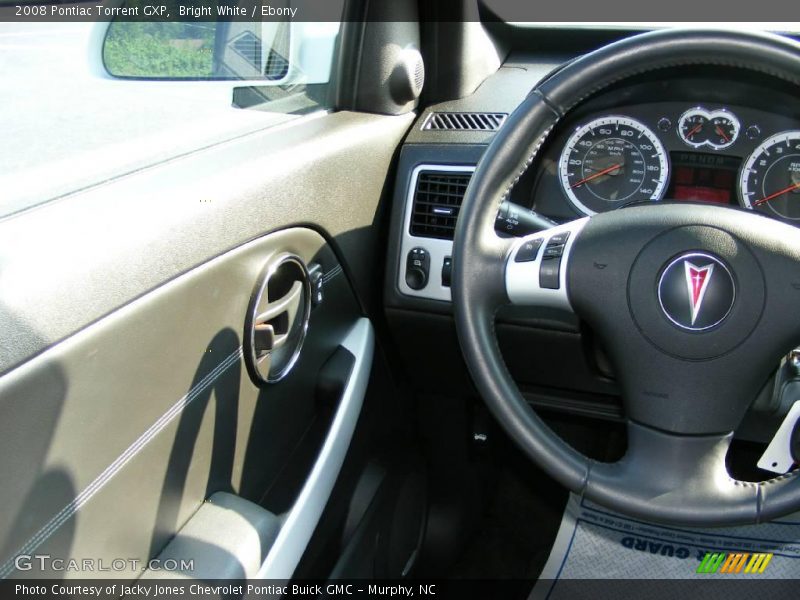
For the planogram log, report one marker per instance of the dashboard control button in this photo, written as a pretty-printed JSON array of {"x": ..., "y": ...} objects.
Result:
[
  {"x": 528, "y": 251},
  {"x": 664, "y": 124},
  {"x": 416, "y": 279},
  {"x": 753, "y": 132},
  {"x": 447, "y": 271},
  {"x": 418, "y": 265}
]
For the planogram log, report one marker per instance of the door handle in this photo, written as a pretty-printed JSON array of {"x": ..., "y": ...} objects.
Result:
[
  {"x": 271, "y": 327},
  {"x": 277, "y": 319}
]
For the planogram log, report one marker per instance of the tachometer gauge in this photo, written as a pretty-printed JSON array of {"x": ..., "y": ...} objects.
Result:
[
  {"x": 770, "y": 179},
  {"x": 610, "y": 162},
  {"x": 700, "y": 127}
]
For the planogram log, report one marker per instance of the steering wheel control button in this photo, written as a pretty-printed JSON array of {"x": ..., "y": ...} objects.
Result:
[
  {"x": 555, "y": 247},
  {"x": 696, "y": 291},
  {"x": 550, "y": 269},
  {"x": 537, "y": 267},
  {"x": 549, "y": 273},
  {"x": 553, "y": 251},
  {"x": 529, "y": 250},
  {"x": 418, "y": 265}
]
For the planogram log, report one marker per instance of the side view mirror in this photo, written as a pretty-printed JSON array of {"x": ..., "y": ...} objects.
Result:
[{"x": 271, "y": 53}]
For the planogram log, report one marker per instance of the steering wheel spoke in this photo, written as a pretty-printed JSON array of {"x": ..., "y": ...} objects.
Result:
[
  {"x": 682, "y": 477},
  {"x": 537, "y": 266}
]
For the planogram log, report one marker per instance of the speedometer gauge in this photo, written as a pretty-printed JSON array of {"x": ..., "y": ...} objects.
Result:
[
  {"x": 770, "y": 179},
  {"x": 611, "y": 162}
]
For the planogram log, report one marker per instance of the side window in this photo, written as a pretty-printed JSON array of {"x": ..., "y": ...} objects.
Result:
[
  {"x": 276, "y": 58},
  {"x": 135, "y": 93}
]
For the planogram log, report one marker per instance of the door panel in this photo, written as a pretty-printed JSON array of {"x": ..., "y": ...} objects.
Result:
[
  {"x": 125, "y": 401},
  {"x": 67, "y": 263},
  {"x": 116, "y": 435}
]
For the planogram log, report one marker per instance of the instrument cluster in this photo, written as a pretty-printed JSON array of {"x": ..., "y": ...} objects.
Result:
[{"x": 676, "y": 151}]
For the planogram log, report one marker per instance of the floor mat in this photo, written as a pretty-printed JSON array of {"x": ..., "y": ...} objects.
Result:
[
  {"x": 596, "y": 544},
  {"x": 508, "y": 543}
]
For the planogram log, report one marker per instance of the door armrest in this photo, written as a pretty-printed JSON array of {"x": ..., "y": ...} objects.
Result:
[{"x": 227, "y": 538}]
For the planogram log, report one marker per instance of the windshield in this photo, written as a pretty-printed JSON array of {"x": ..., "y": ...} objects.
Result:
[
  {"x": 776, "y": 27},
  {"x": 639, "y": 15}
]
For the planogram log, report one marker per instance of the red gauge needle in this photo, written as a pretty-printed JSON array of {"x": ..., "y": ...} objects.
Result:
[
  {"x": 694, "y": 130},
  {"x": 596, "y": 175},
  {"x": 722, "y": 133},
  {"x": 791, "y": 188}
]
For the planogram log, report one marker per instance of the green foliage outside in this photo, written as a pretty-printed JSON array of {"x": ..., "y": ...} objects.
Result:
[{"x": 160, "y": 50}]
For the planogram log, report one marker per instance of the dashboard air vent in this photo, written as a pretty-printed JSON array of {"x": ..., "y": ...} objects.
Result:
[
  {"x": 437, "y": 199},
  {"x": 464, "y": 121}
]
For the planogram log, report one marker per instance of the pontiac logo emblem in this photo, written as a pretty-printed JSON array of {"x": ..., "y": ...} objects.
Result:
[
  {"x": 696, "y": 291},
  {"x": 697, "y": 279}
]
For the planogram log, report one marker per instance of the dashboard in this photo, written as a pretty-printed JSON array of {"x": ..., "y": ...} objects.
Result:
[
  {"x": 717, "y": 136},
  {"x": 678, "y": 139}
]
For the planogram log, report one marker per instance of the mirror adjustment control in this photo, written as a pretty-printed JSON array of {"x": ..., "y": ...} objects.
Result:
[{"x": 418, "y": 266}]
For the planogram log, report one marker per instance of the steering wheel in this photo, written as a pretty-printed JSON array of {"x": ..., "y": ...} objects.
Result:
[{"x": 695, "y": 304}]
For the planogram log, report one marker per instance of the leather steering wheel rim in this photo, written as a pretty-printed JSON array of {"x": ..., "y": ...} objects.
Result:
[{"x": 700, "y": 493}]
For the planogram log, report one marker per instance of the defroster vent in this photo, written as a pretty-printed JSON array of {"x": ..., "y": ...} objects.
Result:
[
  {"x": 464, "y": 121},
  {"x": 437, "y": 199}
]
